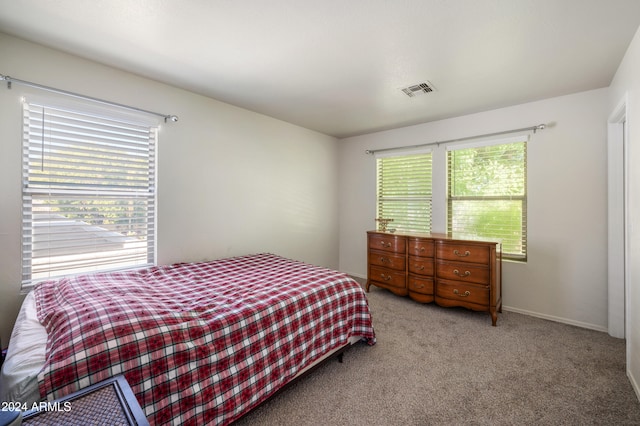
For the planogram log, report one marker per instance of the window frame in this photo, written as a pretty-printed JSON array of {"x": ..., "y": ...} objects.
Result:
[
  {"x": 521, "y": 198},
  {"x": 47, "y": 189},
  {"x": 427, "y": 199},
  {"x": 440, "y": 184}
]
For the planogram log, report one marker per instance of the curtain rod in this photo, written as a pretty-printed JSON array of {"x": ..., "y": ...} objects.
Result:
[
  {"x": 10, "y": 80},
  {"x": 534, "y": 128}
]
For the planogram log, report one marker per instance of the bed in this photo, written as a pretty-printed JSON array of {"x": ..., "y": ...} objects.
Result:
[{"x": 199, "y": 343}]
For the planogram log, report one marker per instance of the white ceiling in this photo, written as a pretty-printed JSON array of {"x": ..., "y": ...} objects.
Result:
[{"x": 338, "y": 66}]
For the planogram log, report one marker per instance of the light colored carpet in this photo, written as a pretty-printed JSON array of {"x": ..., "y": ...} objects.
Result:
[{"x": 437, "y": 366}]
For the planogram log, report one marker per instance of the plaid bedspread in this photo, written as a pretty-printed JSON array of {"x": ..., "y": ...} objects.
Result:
[{"x": 199, "y": 343}]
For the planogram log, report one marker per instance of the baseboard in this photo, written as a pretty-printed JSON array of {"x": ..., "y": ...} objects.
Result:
[
  {"x": 634, "y": 383},
  {"x": 557, "y": 319},
  {"x": 533, "y": 314},
  {"x": 364, "y": 277}
]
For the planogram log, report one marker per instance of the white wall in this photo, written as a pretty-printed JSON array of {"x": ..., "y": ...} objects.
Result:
[
  {"x": 627, "y": 83},
  {"x": 565, "y": 277},
  {"x": 230, "y": 181}
]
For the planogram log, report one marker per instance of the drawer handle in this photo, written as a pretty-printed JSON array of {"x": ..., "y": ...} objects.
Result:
[
  {"x": 420, "y": 248},
  {"x": 420, "y": 286},
  {"x": 384, "y": 259},
  {"x": 466, "y": 273},
  {"x": 421, "y": 268},
  {"x": 385, "y": 277},
  {"x": 385, "y": 244},
  {"x": 466, "y": 253},
  {"x": 465, "y": 294}
]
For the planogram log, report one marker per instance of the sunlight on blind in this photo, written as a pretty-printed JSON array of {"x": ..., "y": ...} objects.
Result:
[
  {"x": 404, "y": 192},
  {"x": 88, "y": 193},
  {"x": 487, "y": 195}
]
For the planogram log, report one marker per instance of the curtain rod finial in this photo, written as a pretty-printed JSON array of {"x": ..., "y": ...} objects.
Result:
[
  {"x": 539, "y": 127},
  {"x": 7, "y": 79}
]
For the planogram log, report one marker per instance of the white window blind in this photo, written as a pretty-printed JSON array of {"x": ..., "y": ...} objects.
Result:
[
  {"x": 88, "y": 193},
  {"x": 404, "y": 191},
  {"x": 487, "y": 194}
]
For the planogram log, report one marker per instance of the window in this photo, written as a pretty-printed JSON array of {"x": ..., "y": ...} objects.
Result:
[
  {"x": 404, "y": 192},
  {"x": 486, "y": 194},
  {"x": 480, "y": 191},
  {"x": 88, "y": 192}
]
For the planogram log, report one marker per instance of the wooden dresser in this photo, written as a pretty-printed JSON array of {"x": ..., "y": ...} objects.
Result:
[{"x": 437, "y": 267}]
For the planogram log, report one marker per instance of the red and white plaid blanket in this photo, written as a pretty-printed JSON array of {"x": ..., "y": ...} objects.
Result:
[{"x": 199, "y": 343}]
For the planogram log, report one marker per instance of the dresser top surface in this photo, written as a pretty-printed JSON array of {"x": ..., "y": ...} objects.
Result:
[{"x": 439, "y": 236}]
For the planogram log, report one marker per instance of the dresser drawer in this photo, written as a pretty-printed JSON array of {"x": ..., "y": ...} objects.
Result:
[
  {"x": 421, "y": 285},
  {"x": 463, "y": 292},
  {"x": 420, "y": 247},
  {"x": 421, "y": 265},
  {"x": 463, "y": 252},
  {"x": 387, "y": 276},
  {"x": 387, "y": 260},
  {"x": 392, "y": 243},
  {"x": 466, "y": 272}
]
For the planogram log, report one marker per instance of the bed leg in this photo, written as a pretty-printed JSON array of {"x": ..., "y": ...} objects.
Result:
[{"x": 340, "y": 357}]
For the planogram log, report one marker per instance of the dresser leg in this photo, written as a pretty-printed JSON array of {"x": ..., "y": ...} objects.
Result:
[
  {"x": 366, "y": 288},
  {"x": 494, "y": 317}
]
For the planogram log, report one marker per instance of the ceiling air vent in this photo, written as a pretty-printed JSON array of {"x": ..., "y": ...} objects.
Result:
[{"x": 418, "y": 89}]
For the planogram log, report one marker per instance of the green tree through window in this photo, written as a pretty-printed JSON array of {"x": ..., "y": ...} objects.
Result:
[
  {"x": 487, "y": 195},
  {"x": 485, "y": 192}
]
